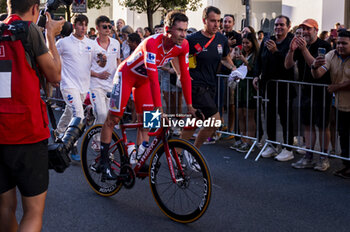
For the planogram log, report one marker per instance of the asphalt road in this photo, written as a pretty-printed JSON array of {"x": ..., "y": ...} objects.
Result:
[{"x": 247, "y": 196}]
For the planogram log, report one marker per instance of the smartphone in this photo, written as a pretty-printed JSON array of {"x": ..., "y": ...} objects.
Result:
[
  {"x": 321, "y": 52},
  {"x": 237, "y": 51},
  {"x": 112, "y": 22}
]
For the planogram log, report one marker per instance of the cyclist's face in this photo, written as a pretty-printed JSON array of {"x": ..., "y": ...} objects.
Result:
[
  {"x": 178, "y": 32},
  {"x": 212, "y": 23}
]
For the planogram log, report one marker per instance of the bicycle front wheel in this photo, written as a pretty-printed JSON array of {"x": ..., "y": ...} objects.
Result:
[
  {"x": 187, "y": 199},
  {"x": 90, "y": 155}
]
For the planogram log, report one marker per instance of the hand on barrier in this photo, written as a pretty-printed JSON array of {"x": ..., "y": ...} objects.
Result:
[{"x": 256, "y": 82}]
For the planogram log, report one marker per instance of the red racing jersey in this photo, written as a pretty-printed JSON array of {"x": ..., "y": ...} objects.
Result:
[{"x": 150, "y": 55}]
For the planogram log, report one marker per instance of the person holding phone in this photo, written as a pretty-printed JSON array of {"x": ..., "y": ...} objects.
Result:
[
  {"x": 337, "y": 63},
  {"x": 305, "y": 49},
  {"x": 270, "y": 64}
]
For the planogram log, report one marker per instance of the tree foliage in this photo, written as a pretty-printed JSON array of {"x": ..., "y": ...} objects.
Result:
[
  {"x": 151, "y": 6},
  {"x": 3, "y": 6},
  {"x": 98, "y": 4}
]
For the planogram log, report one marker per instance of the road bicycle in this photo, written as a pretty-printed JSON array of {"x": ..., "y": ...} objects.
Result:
[{"x": 178, "y": 174}]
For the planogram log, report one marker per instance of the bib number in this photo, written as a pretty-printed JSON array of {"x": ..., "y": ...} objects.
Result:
[{"x": 5, "y": 78}]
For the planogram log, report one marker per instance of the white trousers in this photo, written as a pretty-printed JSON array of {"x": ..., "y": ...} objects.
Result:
[
  {"x": 74, "y": 107},
  {"x": 100, "y": 102}
]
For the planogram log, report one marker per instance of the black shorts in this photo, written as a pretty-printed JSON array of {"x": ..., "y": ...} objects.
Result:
[
  {"x": 319, "y": 112},
  {"x": 203, "y": 98},
  {"x": 24, "y": 166}
]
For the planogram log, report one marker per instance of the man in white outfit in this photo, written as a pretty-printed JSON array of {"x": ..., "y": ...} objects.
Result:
[
  {"x": 76, "y": 55},
  {"x": 106, "y": 58}
]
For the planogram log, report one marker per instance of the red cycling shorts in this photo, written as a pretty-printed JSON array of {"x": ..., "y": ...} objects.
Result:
[{"x": 124, "y": 83}]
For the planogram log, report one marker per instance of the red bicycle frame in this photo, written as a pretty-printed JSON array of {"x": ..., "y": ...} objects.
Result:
[{"x": 160, "y": 135}]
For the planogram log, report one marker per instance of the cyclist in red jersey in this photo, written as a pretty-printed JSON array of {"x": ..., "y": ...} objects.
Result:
[{"x": 140, "y": 71}]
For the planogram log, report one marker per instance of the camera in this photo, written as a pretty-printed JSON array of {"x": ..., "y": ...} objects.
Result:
[
  {"x": 52, "y": 5},
  {"x": 58, "y": 151}
]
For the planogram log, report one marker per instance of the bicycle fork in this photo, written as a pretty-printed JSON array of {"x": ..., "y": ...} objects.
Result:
[{"x": 170, "y": 163}]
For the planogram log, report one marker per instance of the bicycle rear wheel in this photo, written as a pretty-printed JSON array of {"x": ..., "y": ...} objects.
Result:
[
  {"x": 186, "y": 200},
  {"x": 90, "y": 155}
]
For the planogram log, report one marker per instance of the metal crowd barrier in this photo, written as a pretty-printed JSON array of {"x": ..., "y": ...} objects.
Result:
[{"x": 262, "y": 103}]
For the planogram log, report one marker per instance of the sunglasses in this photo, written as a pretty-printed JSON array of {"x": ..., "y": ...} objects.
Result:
[{"x": 106, "y": 26}]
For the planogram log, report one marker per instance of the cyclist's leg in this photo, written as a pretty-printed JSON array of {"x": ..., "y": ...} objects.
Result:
[
  {"x": 119, "y": 97},
  {"x": 143, "y": 102}
]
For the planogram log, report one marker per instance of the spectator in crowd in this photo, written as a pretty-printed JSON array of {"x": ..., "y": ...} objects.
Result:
[
  {"x": 260, "y": 37},
  {"x": 126, "y": 30},
  {"x": 234, "y": 39},
  {"x": 246, "y": 106},
  {"x": 92, "y": 33},
  {"x": 324, "y": 35},
  {"x": 158, "y": 29},
  {"x": 337, "y": 26},
  {"x": 134, "y": 40},
  {"x": 210, "y": 48},
  {"x": 270, "y": 64},
  {"x": 304, "y": 50},
  {"x": 148, "y": 31},
  {"x": 105, "y": 60},
  {"x": 140, "y": 32},
  {"x": 76, "y": 55},
  {"x": 246, "y": 30},
  {"x": 23, "y": 136},
  {"x": 337, "y": 62},
  {"x": 120, "y": 25}
]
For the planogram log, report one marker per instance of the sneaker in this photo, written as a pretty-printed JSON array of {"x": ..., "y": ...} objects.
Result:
[
  {"x": 284, "y": 155},
  {"x": 343, "y": 173},
  {"x": 303, "y": 163},
  {"x": 227, "y": 137},
  {"x": 192, "y": 162},
  {"x": 236, "y": 145},
  {"x": 301, "y": 152},
  {"x": 243, "y": 148},
  {"x": 269, "y": 152},
  {"x": 323, "y": 164},
  {"x": 210, "y": 141},
  {"x": 74, "y": 155}
]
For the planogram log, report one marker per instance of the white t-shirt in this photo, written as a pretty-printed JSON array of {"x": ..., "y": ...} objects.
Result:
[
  {"x": 76, "y": 58},
  {"x": 112, "y": 53}
]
